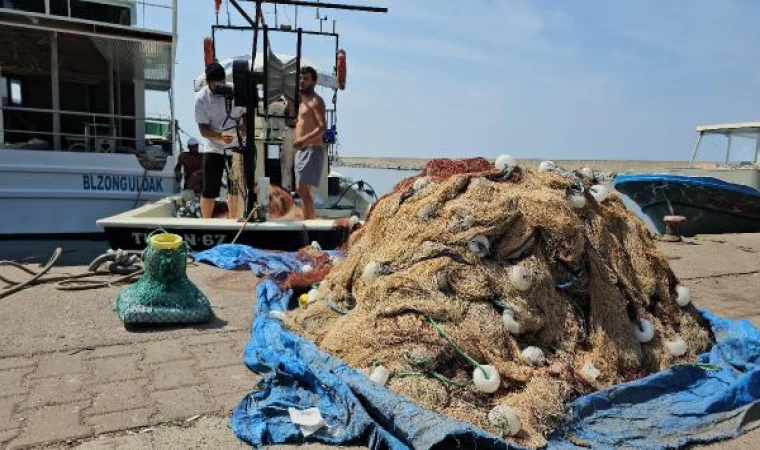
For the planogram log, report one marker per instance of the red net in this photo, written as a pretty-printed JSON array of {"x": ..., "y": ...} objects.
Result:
[
  {"x": 439, "y": 169},
  {"x": 444, "y": 168},
  {"x": 321, "y": 266}
]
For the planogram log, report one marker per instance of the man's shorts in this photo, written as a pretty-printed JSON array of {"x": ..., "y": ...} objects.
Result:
[
  {"x": 308, "y": 164},
  {"x": 213, "y": 170}
]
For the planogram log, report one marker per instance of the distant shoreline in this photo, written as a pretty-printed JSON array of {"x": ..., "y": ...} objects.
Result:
[{"x": 609, "y": 166}]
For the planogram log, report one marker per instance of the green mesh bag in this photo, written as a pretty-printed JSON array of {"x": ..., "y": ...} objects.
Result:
[{"x": 164, "y": 294}]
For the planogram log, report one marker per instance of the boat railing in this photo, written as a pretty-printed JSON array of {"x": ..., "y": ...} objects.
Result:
[
  {"x": 154, "y": 15},
  {"x": 101, "y": 132}
]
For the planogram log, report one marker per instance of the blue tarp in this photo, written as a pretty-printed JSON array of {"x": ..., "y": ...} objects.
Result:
[
  {"x": 665, "y": 410},
  {"x": 263, "y": 263}
]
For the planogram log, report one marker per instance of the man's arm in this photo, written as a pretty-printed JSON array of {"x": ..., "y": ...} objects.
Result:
[
  {"x": 208, "y": 132},
  {"x": 178, "y": 168}
]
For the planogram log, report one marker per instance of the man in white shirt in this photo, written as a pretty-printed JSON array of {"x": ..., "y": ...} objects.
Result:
[{"x": 217, "y": 121}]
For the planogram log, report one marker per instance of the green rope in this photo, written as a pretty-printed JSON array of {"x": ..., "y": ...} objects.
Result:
[
  {"x": 458, "y": 349},
  {"x": 703, "y": 366},
  {"x": 436, "y": 375},
  {"x": 448, "y": 380}
]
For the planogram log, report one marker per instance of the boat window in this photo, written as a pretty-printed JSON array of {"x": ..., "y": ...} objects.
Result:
[
  {"x": 16, "y": 98},
  {"x": 37, "y": 6},
  {"x": 714, "y": 148},
  {"x": 101, "y": 11}
]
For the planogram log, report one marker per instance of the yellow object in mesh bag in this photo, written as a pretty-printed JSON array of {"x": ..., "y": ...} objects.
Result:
[{"x": 166, "y": 241}]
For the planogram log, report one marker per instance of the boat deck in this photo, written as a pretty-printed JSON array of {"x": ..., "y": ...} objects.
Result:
[{"x": 130, "y": 230}]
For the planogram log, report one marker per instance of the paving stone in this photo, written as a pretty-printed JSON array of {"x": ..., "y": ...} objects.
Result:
[
  {"x": 210, "y": 433},
  {"x": 128, "y": 442},
  {"x": 115, "y": 350},
  {"x": 8, "y": 407},
  {"x": 7, "y": 435},
  {"x": 207, "y": 338},
  {"x": 52, "y": 423},
  {"x": 12, "y": 381},
  {"x": 58, "y": 364},
  {"x": 117, "y": 368},
  {"x": 218, "y": 354},
  {"x": 52, "y": 391},
  {"x": 181, "y": 403},
  {"x": 122, "y": 420},
  {"x": 14, "y": 362},
  {"x": 118, "y": 396},
  {"x": 228, "y": 401},
  {"x": 236, "y": 378},
  {"x": 164, "y": 351},
  {"x": 172, "y": 375}
]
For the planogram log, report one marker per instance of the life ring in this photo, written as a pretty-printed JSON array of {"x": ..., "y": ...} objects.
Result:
[
  {"x": 208, "y": 50},
  {"x": 341, "y": 68}
]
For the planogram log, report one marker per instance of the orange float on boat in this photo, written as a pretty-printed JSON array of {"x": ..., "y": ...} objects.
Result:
[
  {"x": 341, "y": 68},
  {"x": 208, "y": 50}
]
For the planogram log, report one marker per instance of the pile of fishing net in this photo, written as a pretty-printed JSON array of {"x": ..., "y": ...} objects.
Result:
[{"x": 493, "y": 294}]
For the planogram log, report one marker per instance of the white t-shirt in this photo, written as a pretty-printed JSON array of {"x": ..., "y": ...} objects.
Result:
[{"x": 210, "y": 109}]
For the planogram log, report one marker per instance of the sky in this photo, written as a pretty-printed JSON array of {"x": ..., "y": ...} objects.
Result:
[{"x": 557, "y": 79}]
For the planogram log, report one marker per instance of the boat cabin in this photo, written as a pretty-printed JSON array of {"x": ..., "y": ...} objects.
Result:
[{"x": 74, "y": 74}]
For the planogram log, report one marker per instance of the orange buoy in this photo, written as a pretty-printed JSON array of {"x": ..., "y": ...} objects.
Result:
[
  {"x": 342, "y": 69},
  {"x": 208, "y": 50}
]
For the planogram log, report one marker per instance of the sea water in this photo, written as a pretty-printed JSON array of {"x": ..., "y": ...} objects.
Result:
[{"x": 383, "y": 180}]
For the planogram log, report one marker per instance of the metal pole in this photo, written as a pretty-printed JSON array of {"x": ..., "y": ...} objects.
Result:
[
  {"x": 47, "y": 6},
  {"x": 242, "y": 12},
  {"x": 297, "y": 89},
  {"x": 55, "y": 90},
  {"x": 328, "y": 5},
  {"x": 757, "y": 149},
  {"x": 172, "y": 124},
  {"x": 265, "y": 53},
  {"x": 111, "y": 95},
  {"x": 728, "y": 148},
  {"x": 696, "y": 149}
]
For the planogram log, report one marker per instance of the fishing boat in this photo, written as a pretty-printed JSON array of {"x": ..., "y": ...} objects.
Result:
[
  {"x": 714, "y": 197},
  {"x": 76, "y": 141},
  {"x": 271, "y": 219}
]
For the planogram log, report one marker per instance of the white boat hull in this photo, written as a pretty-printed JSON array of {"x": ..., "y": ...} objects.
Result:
[{"x": 64, "y": 193}]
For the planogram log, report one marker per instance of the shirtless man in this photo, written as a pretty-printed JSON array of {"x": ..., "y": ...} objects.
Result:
[
  {"x": 191, "y": 162},
  {"x": 310, "y": 129}
]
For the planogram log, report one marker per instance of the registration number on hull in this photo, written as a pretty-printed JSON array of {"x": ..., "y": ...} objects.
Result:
[{"x": 193, "y": 239}]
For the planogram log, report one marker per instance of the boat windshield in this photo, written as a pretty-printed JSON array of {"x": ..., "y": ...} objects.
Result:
[{"x": 733, "y": 145}]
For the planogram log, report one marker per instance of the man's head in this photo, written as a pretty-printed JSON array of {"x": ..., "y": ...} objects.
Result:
[
  {"x": 215, "y": 75},
  {"x": 307, "y": 80},
  {"x": 192, "y": 145}
]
